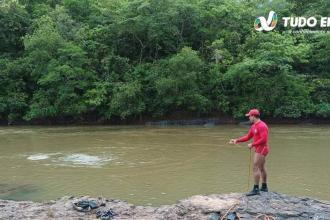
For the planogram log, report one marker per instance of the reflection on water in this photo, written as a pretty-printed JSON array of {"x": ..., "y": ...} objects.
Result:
[{"x": 156, "y": 165}]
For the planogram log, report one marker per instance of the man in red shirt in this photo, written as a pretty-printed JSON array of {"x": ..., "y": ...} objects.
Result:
[{"x": 259, "y": 133}]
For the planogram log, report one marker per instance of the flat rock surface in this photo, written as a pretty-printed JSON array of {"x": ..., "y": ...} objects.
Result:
[{"x": 208, "y": 207}]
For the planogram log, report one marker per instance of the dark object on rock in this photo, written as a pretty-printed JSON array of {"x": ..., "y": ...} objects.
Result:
[
  {"x": 264, "y": 188},
  {"x": 254, "y": 191},
  {"x": 85, "y": 205},
  {"x": 232, "y": 216},
  {"x": 214, "y": 216},
  {"x": 105, "y": 215}
]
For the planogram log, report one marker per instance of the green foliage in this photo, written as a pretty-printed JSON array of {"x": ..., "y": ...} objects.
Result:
[
  {"x": 14, "y": 89},
  {"x": 78, "y": 9},
  {"x": 265, "y": 78},
  {"x": 178, "y": 88},
  {"x": 323, "y": 110},
  {"x": 127, "y": 100},
  {"x": 14, "y": 22},
  {"x": 62, "y": 78},
  {"x": 120, "y": 59}
]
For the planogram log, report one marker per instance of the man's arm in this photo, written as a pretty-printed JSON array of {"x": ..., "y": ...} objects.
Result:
[
  {"x": 246, "y": 137},
  {"x": 242, "y": 139}
]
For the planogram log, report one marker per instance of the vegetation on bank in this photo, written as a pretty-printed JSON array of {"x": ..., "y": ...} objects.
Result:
[{"x": 122, "y": 59}]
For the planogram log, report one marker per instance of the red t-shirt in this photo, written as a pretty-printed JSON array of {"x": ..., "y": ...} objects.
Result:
[{"x": 259, "y": 133}]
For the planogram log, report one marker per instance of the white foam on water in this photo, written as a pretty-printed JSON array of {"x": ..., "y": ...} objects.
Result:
[
  {"x": 38, "y": 157},
  {"x": 83, "y": 159},
  {"x": 73, "y": 159}
]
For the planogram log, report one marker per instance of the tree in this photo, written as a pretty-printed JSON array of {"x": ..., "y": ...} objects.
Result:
[
  {"x": 266, "y": 78},
  {"x": 61, "y": 77},
  {"x": 177, "y": 89},
  {"x": 121, "y": 59},
  {"x": 14, "y": 24}
]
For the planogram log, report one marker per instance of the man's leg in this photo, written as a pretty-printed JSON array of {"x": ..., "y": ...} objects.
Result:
[
  {"x": 256, "y": 175},
  {"x": 256, "y": 168},
  {"x": 263, "y": 169},
  {"x": 263, "y": 173}
]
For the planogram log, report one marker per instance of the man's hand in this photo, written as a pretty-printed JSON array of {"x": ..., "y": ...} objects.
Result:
[
  {"x": 233, "y": 141},
  {"x": 250, "y": 145}
]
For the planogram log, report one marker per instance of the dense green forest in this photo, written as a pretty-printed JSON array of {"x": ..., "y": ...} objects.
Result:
[{"x": 80, "y": 60}]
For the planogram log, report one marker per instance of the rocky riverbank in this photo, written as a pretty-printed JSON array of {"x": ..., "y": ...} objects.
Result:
[{"x": 199, "y": 207}]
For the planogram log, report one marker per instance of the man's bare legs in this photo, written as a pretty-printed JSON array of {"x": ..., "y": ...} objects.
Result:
[
  {"x": 259, "y": 169},
  {"x": 256, "y": 175},
  {"x": 263, "y": 174},
  {"x": 262, "y": 169},
  {"x": 256, "y": 168}
]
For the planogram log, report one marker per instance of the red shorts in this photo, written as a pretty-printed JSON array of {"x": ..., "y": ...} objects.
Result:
[{"x": 264, "y": 150}]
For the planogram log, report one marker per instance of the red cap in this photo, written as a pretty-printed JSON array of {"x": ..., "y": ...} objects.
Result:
[{"x": 253, "y": 112}]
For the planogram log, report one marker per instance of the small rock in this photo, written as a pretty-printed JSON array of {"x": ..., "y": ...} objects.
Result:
[{"x": 214, "y": 216}]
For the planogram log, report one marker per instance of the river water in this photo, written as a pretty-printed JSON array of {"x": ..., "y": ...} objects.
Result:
[{"x": 153, "y": 165}]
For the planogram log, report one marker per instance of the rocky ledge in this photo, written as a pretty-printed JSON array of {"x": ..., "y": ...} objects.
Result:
[{"x": 208, "y": 207}]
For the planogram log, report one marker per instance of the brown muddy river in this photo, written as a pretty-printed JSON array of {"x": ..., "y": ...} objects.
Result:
[{"x": 156, "y": 165}]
